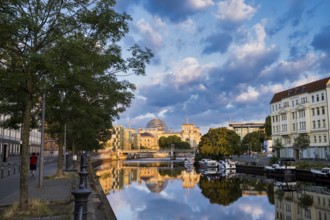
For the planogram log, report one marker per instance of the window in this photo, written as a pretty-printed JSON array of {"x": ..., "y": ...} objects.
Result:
[
  {"x": 313, "y": 111},
  {"x": 318, "y": 124},
  {"x": 312, "y": 98},
  {"x": 292, "y": 103},
  {"x": 315, "y": 141},
  {"x": 302, "y": 114},
  {"x": 283, "y": 117},
  {"x": 320, "y": 139},
  {"x": 325, "y": 140},
  {"x": 317, "y": 97},
  {"x": 317, "y": 111},
  {"x": 323, "y": 123},
  {"x": 293, "y": 126},
  {"x": 314, "y": 125},
  {"x": 292, "y": 115},
  {"x": 323, "y": 110},
  {"x": 322, "y": 96}
]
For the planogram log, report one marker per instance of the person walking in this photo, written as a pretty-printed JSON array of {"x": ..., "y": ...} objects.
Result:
[{"x": 33, "y": 163}]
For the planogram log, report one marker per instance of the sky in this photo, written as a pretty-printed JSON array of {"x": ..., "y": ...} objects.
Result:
[{"x": 221, "y": 61}]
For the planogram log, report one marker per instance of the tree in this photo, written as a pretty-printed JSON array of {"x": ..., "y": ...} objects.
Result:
[
  {"x": 219, "y": 142},
  {"x": 301, "y": 143},
  {"x": 268, "y": 127},
  {"x": 165, "y": 142},
  {"x": 277, "y": 145},
  {"x": 252, "y": 141},
  {"x": 45, "y": 45}
]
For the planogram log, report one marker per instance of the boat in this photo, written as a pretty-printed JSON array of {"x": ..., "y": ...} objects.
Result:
[
  {"x": 324, "y": 172},
  {"x": 227, "y": 172},
  {"x": 208, "y": 163},
  {"x": 227, "y": 165},
  {"x": 188, "y": 162},
  {"x": 209, "y": 171},
  {"x": 283, "y": 168}
]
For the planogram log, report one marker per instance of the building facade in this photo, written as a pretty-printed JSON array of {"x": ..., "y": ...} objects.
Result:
[
  {"x": 243, "y": 128},
  {"x": 302, "y": 111},
  {"x": 147, "y": 138},
  {"x": 11, "y": 141}
]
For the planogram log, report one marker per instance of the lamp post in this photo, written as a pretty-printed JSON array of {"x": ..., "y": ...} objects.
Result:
[{"x": 41, "y": 160}]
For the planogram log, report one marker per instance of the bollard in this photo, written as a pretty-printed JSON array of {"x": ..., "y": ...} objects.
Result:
[
  {"x": 2, "y": 171},
  {"x": 8, "y": 169},
  {"x": 81, "y": 199},
  {"x": 14, "y": 168},
  {"x": 83, "y": 172}
]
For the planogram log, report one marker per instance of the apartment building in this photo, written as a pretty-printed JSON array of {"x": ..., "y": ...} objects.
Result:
[
  {"x": 302, "y": 111},
  {"x": 10, "y": 141},
  {"x": 243, "y": 128}
]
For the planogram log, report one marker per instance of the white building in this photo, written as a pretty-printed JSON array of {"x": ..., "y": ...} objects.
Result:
[
  {"x": 10, "y": 141},
  {"x": 302, "y": 110}
]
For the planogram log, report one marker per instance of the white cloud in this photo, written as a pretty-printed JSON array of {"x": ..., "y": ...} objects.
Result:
[
  {"x": 234, "y": 11},
  {"x": 188, "y": 25},
  {"x": 250, "y": 95},
  {"x": 145, "y": 116},
  {"x": 162, "y": 113},
  {"x": 150, "y": 34},
  {"x": 255, "y": 45},
  {"x": 188, "y": 70},
  {"x": 200, "y": 4}
]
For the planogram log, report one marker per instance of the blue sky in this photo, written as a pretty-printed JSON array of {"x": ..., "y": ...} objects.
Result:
[{"x": 218, "y": 61}]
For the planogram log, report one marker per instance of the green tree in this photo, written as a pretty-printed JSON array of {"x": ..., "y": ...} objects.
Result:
[
  {"x": 221, "y": 191},
  {"x": 252, "y": 142},
  {"x": 166, "y": 142},
  {"x": 45, "y": 45},
  {"x": 301, "y": 143},
  {"x": 219, "y": 142},
  {"x": 277, "y": 146},
  {"x": 268, "y": 127}
]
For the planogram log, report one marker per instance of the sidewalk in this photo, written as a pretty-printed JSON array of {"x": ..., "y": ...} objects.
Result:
[{"x": 52, "y": 190}]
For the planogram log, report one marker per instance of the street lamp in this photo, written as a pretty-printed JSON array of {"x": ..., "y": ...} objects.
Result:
[{"x": 41, "y": 161}]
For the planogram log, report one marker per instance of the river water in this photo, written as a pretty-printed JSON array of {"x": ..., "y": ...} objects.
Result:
[{"x": 149, "y": 189}]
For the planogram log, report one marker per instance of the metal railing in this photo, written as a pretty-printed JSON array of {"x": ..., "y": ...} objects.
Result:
[{"x": 82, "y": 193}]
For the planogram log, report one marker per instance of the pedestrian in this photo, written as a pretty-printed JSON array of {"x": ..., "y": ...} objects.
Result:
[{"x": 33, "y": 163}]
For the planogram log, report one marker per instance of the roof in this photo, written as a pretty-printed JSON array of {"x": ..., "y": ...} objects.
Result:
[{"x": 307, "y": 88}]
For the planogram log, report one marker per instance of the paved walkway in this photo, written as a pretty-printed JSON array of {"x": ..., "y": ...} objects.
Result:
[{"x": 52, "y": 190}]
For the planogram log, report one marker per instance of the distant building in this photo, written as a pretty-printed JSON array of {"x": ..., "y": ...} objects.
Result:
[
  {"x": 243, "y": 128},
  {"x": 302, "y": 110},
  {"x": 128, "y": 138},
  {"x": 11, "y": 141}
]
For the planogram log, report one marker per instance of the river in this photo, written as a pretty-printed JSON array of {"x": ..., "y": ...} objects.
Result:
[{"x": 151, "y": 189}]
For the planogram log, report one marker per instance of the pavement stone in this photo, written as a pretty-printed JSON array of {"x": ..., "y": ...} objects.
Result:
[{"x": 53, "y": 189}]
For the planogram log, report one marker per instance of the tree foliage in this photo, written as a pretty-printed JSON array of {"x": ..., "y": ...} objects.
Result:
[
  {"x": 302, "y": 141},
  {"x": 268, "y": 127},
  {"x": 68, "y": 51},
  {"x": 166, "y": 142},
  {"x": 253, "y": 141},
  {"x": 221, "y": 191},
  {"x": 219, "y": 142}
]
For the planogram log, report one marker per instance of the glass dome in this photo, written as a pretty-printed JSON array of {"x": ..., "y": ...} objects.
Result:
[{"x": 157, "y": 124}]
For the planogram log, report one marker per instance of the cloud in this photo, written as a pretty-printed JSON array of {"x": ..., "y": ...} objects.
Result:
[
  {"x": 321, "y": 40},
  {"x": 174, "y": 10},
  {"x": 151, "y": 38},
  {"x": 218, "y": 42},
  {"x": 187, "y": 70},
  {"x": 234, "y": 11},
  {"x": 292, "y": 16},
  {"x": 250, "y": 94}
]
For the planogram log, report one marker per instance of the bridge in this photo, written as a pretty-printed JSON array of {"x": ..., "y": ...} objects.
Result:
[
  {"x": 172, "y": 153},
  {"x": 157, "y": 151}
]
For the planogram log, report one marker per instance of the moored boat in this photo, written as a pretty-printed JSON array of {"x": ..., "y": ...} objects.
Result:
[
  {"x": 208, "y": 163},
  {"x": 227, "y": 165},
  {"x": 324, "y": 172}
]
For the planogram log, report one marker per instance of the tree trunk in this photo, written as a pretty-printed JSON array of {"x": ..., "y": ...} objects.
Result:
[
  {"x": 60, "y": 159},
  {"x": 24, "y": 198}
]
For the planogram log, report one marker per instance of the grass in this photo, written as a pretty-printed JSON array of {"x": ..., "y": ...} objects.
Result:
[
  {"x": 307, "y": 165},
  {"x": 37, "y": 208}
]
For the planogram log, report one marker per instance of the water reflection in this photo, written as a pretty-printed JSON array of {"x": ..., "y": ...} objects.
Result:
[{"x": 158, "y": 190}]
